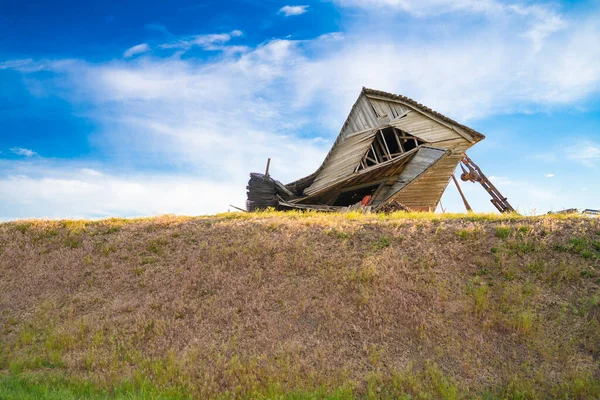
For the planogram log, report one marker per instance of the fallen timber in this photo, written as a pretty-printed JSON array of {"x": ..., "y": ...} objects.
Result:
[{"x": 392, "y": 154}]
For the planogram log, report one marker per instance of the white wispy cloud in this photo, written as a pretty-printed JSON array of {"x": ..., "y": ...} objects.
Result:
[
  {"x": 23, "y": 152},
  {"x": 501, "y": 180},
  {"x": 41, "y": 191},
  {"x": 214, "y": 41},
  {"x": 549, "y": 175},
  {"x": 137, "y": 49},
  {"x": 584, "y": 152},
  {"x": 293, "y": 10},
  {"x": 29, "y": 65},
  {"x": 539, "y": 20},
  {"x": 543, "y": 22},
  {"x": 90, "y": 172},
  {"x": 423, "y": 7}
]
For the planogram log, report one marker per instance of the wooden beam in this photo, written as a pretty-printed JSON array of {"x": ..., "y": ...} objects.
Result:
[
  {"x": 397, "y": 139},
  {"x": 394, "y": 155},
  {"x": 384, "y": 155},
  {"x": 464, "y": 199},
  {"x": 368, "y": 156},
  {"x": 378, "y": 192},
  {"x": 379, "y": 151},
  {"x": 238, "y": 208},
  {"x": 385, "y": 143},
  {"x": 374, "y": 154}
]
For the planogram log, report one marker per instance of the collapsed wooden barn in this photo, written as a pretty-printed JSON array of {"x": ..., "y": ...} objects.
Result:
[{"x": 390, "y": 152}]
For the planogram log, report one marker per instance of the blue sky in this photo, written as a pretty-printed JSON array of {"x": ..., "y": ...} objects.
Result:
[{"x": 152, "y": 107}]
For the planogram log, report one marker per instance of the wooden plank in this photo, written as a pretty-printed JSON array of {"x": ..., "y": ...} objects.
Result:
[
  {"x": 397, "y": 138},
  {"x": 426, "y": 129},
  {"x": 422, "y": 161},
  {"x": 464, "y": 199},
  {"x": 427, "y": 189},
  {"x": 375, "y": 154},
  {"x": 385, "y": 143},
  {"x": 385, "y": 154}
]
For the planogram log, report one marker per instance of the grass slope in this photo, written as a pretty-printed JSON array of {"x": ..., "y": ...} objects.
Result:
[{"x": 301, "y": 305}]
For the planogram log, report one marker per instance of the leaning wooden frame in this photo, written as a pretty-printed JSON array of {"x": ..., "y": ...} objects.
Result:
[{"x": 391, "y": 154}]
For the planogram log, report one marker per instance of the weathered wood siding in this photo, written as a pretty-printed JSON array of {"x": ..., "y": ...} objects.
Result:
[
  {"x": 426, "y": 190},
  {"x": 342, "y": 160},
  {"x": 386, "y": 111},
  {"x": 429, "y": 131},
  {"x": 425, "y": 158},
  {"x": 361, "y": 117}
]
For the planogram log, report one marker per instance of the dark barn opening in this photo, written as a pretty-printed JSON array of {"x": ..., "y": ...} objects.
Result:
[
  {"x": 354, "y": 196},
  {"x": 387, "y": 144}
]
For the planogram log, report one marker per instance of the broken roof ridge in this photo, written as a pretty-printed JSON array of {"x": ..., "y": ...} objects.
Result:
[{"x": 367, "y": 91}]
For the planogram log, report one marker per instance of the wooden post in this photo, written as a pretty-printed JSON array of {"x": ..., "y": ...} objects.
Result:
[
  {"x": 398, "y": 141},
  {"x": 386, "y": 145},
  {"x": 267, "y": 170},
  {"x": 464, "y": 199},
  {"x": 375, "y": 154}
]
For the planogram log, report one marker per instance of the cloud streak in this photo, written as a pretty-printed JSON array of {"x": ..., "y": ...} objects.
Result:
[
  {"x": 584, "y": 152},
  {"x": 23, "y": 152},
  {"x": 289, "y": 11},
  {"x": 135, "y": 50},
  {"x": 207, "y": 42}
]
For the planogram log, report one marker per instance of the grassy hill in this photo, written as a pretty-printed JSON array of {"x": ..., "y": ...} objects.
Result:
[{"x": 274, "y": 305}]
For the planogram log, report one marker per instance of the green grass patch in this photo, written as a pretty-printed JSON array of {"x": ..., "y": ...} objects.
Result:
[
  {"x": 73, "y": 241},
  {"x": 429, "y": 382},
  {"x": 583, "y": 246},
  {"x": 382, "y": 242},
  {"x": 22, "y": 227},
  {"x": 479, "y": 291},
  {"x": 471, "y": 233},
  {"x": 58, "y": 387},
  {"x": 524, "y": 230},
  {"x": 521, "y": 247},
  {"x": 338, "y": 233},
  {"x": 503, "y": 232},
  {"x": 156, "y": 246}
]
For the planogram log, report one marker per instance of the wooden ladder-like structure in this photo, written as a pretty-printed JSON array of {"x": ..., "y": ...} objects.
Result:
[{"x": 472, "y": 173}]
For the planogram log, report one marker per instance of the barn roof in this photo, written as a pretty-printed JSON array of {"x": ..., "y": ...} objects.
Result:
[{"x": 373, "y": 92}]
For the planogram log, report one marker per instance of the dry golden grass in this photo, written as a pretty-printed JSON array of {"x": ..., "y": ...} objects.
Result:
[{"x": 269, "y": 304}]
